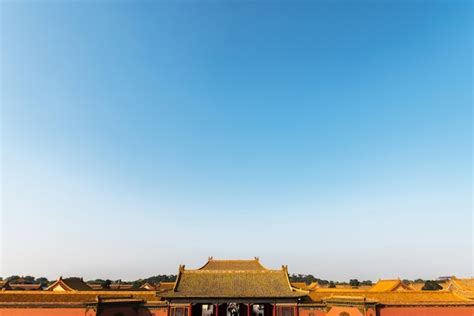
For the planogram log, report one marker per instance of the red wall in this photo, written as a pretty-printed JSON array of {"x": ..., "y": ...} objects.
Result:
[
  {"x": 337, "y": 310},
  {"x": 129, "y": 311},
  {"x": 111, "y": 311},
  {"x": 153, "y": 312},
  {"x": 427, "y": 311},
  {"x": 310, "y": 312},
  {"x": 46, "y": 312}
]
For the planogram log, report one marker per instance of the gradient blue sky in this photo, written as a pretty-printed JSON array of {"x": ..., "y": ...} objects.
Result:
[{"x": 334, "y": 137}]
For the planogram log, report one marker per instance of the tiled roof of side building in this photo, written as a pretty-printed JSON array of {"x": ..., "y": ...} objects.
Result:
[
  {"x": 79, "y": 297},
  {"x": 463, "y": 284},
  {"x": 26, "y": 287},
  {"x": 417, "y": 286},
  {"x": 214, "y": 264},
  {"x": 233, "y": 283},
  {"x": 398, "y": 298},
  {"x": 70, "y": 284},
  {"x": 304, "y": 286},
  {"x": 463, "y": 287},
  {"x": 4, "y": 285},
  {"x": 300, "y": 285},
  {"x": 95, "y": 286},
  {"x": 121, "y": 286},
  {"x": 164, "y": 286},
  {"x": 390, "y": 285},
  {"x": 149, "y": 286}
]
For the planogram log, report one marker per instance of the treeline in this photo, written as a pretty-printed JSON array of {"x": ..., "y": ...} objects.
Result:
[
  {"x": 155, "y": 279},
  {"x": 309, "y": 278},
  {"x": 105, "y": 283}
]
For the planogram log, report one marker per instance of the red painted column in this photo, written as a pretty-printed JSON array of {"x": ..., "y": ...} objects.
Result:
[
  {"x": 168, "y": 311},
  {"x": 190, "y": 309},
  {"x": 217, "y": 310},
  {"x": 248, "y": 309},
  {"x": 274, "y": 309}
]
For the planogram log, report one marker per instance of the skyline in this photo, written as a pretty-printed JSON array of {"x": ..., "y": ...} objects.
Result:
[{"x": 332, "y": 138}]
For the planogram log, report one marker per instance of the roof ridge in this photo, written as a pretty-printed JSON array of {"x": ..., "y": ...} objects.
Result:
[
  {"x": 233, "y": 264},
  {"x": 233, "y": 271}
]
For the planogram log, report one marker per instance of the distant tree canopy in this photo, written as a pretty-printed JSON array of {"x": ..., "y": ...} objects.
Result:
[
  {"x": 306, "y": 278},
  {"x": 354, "y": 282},
  {"x": 332, "y": 284},
  {"x": 366, "y": 282},
  {"x": 431, "y": 286},
  {"x": 12, "y": 278},
  {"x": 155, "y": 280},
  {"x": 43, "y": 281},
  {"x": 28, "y": 279},
  {"x": 106, "y": 284},
  {"x": 96, "y": 281}
]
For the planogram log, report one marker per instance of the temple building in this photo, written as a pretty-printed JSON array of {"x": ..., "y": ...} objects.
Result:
[
  {"x": 391, "y": 286},
  {"x": 233, "y": 288},
  {"x": 238, "y": 288},
  {"x": 69, "y": 284}
]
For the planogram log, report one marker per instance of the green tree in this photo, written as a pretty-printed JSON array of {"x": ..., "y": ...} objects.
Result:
[
  {"x": 13, "y": 278},
  {"x": 431, "y": 286},
  {"x": 43, "y": 281},
  {"x": 354, "y": 282},
  {"x": 106, "y": 284},
  {"x": 29, "y": 279}
]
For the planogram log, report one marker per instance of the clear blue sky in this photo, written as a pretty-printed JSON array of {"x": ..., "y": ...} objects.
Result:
[{"x": 334, "y": 137}]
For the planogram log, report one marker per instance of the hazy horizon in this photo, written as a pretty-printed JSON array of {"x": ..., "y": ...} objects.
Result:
[{"x": 335, "y": 138}]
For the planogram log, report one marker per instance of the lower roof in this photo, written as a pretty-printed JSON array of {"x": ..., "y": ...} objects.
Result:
[
  {"x": 395, "y": 298},
  {"x": 79, "y": 297}
]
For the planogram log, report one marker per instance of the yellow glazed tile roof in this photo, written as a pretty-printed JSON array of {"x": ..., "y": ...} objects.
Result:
[
  {"x": 237, "y": 265},
  {"x": 71, "y": 284},
  {"x": 78, "y": 297},
  {"x": 300, "y": 285},
  {"x": 390, "y": 285},
  {"x": 233, "y": 279},
  {"x": 463, "y": 284},
  {"x": 397, "y": 298},
  {"x": 463, "y": 287}
]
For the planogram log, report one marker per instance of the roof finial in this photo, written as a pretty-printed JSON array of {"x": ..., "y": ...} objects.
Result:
[
  {"x": 181, "y": 267},
  {"x": 257, "y": 258},
  {"x": 210, "y": 258}
]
